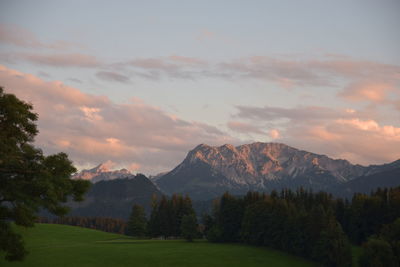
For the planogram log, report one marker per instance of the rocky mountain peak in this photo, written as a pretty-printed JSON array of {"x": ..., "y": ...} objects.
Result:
[
  {"x": 102, "y": 172},
  {"x": 208, "y": 171}
]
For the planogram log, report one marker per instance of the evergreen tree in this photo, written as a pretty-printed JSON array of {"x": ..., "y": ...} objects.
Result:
[
  {"x": 137, "y": 222},
  {"x": 230, "y": 217},
  {"x": 333, "y": 247},
  {"x": 189, "y": 227},
  {"x": 378, "y": 253},
  {"x": 153, "y": 226}
]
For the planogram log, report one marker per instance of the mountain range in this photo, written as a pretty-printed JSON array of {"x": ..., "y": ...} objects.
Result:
[
  {"x": 101, "y": 172},
  {"x": 209, "y": 171}
]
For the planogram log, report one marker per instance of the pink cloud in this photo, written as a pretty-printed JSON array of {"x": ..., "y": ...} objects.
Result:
[
  {"x": 93, "y": 129},
  {"x": 18, "y": 36},
  {"x": 367, "y": 91},
  {"x": 274, "y": 134},
  {"x": 348, "y": 134}
]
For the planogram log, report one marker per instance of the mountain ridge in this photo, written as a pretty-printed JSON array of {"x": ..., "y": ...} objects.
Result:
[
  {"x": 102, "y": 172},
  {"x": 210, "y": 170}
]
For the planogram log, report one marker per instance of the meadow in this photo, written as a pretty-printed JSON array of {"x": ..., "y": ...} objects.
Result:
[{"x": 61, "y": 245}]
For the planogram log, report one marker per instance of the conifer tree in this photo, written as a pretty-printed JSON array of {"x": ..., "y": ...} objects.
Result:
[
  {"x": 189, "y": 227},
  {"x": 137, "y": 222}
]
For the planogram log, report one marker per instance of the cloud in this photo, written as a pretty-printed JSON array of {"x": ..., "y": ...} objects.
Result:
[
  {"x": 18, "y": 36},
  {"x": 348, "y": 134},
  {"x": 274, "y": 134},
  {"x": 94, "y": 129},
  {"x": 295, "y": 72},
  {"x": 374, "y": 92},
  {"x": 54, "y": 60},
  {"x": 301, "y": 72},
  {"x": 174, "y": 66},
  {"x": 243, "y": 127},
  {"x": 75, "y": 80},
  {"x": 284, "y": 72},
  {"x": 301, "y": 113},
  {"x": 112, "y": 76},
  {"x": 133, "y": 167},
  {"x": 44, "y": 74}
]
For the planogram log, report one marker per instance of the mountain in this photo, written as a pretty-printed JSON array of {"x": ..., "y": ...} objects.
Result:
[
  {"x": 114, "y": 198},
  {"x": 101, "y": 173},
  {"x": 208, "y": 171},
  {"x": 387, "y": 175}
]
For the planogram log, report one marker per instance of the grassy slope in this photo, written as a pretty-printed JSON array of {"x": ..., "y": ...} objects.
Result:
[{"x": 60, "y": 245}]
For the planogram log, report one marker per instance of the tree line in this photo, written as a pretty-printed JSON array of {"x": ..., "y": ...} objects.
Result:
[
  {"x": 312, "y": 225},
  {"x": 170, "y": 217}
]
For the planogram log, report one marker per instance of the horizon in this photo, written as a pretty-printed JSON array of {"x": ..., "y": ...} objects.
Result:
[{"x": 140, "y": 84}]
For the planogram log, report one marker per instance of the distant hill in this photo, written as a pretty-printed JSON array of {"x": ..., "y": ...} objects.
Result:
[
  {"x": 366, "y": 184},
  {"x": 114, "y": 198},
  {"x": 209, "y": 171}
]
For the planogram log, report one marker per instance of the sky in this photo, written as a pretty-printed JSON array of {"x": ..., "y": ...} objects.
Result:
[{"x": 138, "y": 84}]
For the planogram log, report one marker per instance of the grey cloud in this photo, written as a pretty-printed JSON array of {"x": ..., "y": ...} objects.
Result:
[
  {"x": 112, "y": 76},
  {"x": 244, "y": 127},
  {"x": 54, "y": 60}
]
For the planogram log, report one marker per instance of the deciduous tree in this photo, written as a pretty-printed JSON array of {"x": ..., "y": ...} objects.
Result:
[{"x": 29, "y": 180}]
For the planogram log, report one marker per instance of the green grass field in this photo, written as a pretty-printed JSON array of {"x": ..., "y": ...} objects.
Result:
[{"x": 60, "y": 245}]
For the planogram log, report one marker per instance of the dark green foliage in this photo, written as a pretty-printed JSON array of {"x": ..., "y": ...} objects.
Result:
[
  {"x": 333, "y": 247},
  {"x": 28, "y": 179},
  {"x": 166, "y": 215},
  {"x": 391, "y": 233},
  {"x": 228, "y": 217},
  {"x": 208, "y": 222},
  {"x": 189, "y": 227},
  {"x": 137, "y": 222},
  {"x": 11, "y": 242},
  {"x": 378, "y": 253},
  {"x": 298, "y": 222},
  {"x": 365, "y": 215},
  {"x": 383, "y": 250}
]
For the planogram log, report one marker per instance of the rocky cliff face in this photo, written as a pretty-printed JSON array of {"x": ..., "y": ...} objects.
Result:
[
  {"x": 102, "y": 173},
  {"x": 207, "y": 171}
]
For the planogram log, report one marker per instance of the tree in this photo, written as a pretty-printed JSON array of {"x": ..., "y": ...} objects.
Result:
[
  {"x": 189, "y": 227},
  {"x": 29, "y": 180},
  {"x": 137, "y": 222},
  {"x": 377, "y": 253}
]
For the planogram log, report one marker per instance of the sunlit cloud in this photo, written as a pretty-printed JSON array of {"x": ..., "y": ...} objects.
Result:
[
  {"x": 274, "y": 134},
  {"x": 367, "y": 91},
  {"x": 347, "y": 133},
  {"x": 21, "y": 37},
  {"x": 94, "y": 129}
]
